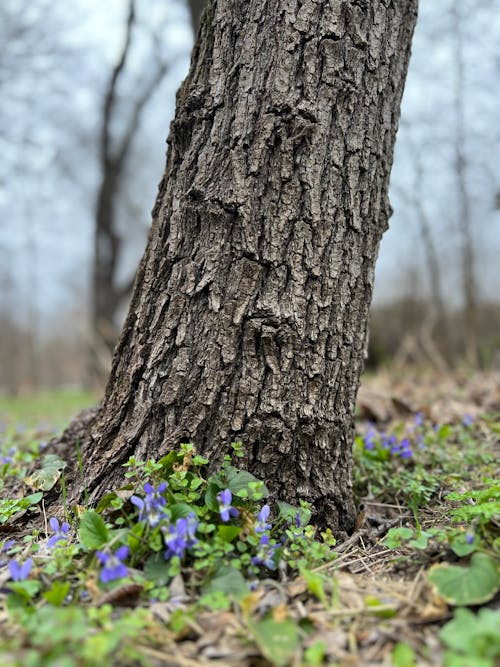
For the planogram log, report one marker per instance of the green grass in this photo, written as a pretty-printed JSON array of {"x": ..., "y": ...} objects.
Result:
[{"x": 54, "y": 408}]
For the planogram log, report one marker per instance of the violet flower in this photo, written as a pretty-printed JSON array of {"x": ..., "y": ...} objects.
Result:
[
  {"x": 265, "y": 553},
  {"x": 20, "y": 571},
  {"x": 261, "y": 526},
  {"x": 9, "y": 458},
  {"x": 369, "y": 438},
  {"x": 60, "y": 532},
  {"x": 113, "y": 568},
  {"x": 226, "y": 510},
  {"x": 467, "y": 420},
  {"x": 180, "y": 536},
  {"x": 406, "y": 450},
  {"x": 151, "y": 508},
  {"x": 8, "y": 544},
  {"x": 390, "y": 442}
]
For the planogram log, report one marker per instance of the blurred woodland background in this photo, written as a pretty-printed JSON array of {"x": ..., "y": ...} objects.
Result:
[{"x": 88, "y": 91}]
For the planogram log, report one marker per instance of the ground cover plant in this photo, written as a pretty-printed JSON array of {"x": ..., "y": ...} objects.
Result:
[{"x": 180, "y": 567}]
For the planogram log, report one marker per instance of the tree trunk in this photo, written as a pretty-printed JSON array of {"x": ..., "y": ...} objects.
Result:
[{"x": 249, "y": 314}]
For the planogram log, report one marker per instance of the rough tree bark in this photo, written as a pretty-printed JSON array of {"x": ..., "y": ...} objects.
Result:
[{"x": 249, "y": 313}]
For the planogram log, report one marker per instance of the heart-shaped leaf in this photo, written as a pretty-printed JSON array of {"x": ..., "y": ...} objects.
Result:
[
  {"x": 475, "y": 584},
  {"x": 93, "y": 531},
  {"x": 229, "y": 580},
  {"x": 278, "y": 640},
  {"x": 46, "y": 477}
]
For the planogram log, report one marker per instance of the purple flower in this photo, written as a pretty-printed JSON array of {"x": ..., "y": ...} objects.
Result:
[
  {"x": 180, "y": 536},
  {"x": 261, "y": 526},
  {"x": 390, "y": 442},
  {"x": 113, "y": 568},
  {"x": 191, "y": 528},
  {"x": 406, "y": 451},
  {"x": 467, "y": 420},
  {"x": 8, "y": 544},
  {"x": 60, "y": 532},
  {"x": 151, "y": 508},
  {"x": 10, "y": 456},
  {"x": 419, "y": 419},
  {"x": 298, "y": 521},
  {"x": 20, "y": 571},
  {"x": 265, "y": 553},
  {"x": 370, "y": 435},
  {"x": 469, "y": 538},
  {"x": 224, "y": 499}
]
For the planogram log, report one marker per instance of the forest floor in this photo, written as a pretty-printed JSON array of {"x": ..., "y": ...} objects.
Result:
[{"x": 416, "y": 584}]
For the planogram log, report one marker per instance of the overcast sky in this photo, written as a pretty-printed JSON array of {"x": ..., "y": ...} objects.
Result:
[{"x": 52, "y": 81}]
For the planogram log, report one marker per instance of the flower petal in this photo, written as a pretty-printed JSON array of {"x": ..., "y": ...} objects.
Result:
[
  {"x": 54, "y": 523},
  {"x": 122, "y": 552}
]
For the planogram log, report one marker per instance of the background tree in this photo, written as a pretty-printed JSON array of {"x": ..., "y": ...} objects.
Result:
[
  {"x": 108, "y": 294},
  {"x": 121, "y": 118},
  {"x": 465, "y": 222},
  {"x": 248, "y": 318},
  {"x": 195, "y": 9}
]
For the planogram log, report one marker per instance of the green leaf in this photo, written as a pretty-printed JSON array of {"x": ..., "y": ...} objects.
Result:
[
  {"x": 397, "y": 536},
  {"x": 109, "y": 500},
  {"x": 289, "y": 512},
  {"x": 461, "y": 547},
  {"x": 93, "y": 531},
  {"x": 472, "y": 635},
  {"x": 444, "y": 431},
  {"x": 241, "y": 479},
  {"x": 374, "y": 603},
  {"x": 403, "y": 655},
  {"x": 156, "y": 569},
  {"x": 47, "y": 476},
  {"x": 420, "y": 541},
  {"x": 135, "y": 536},
  {"x": 168, "y": 462},
  {"x": 229, "y": 580},
  {"x": 278, "y": 640},
  {"x": 475, "y": 584},
  {"x": 10, "y": 507},
  {"x": 315, "y": 584},
  {"x": 211, "y": 496},
  {"x": 228, "y": 533},
  {"x": 25, "y": 589},
  {"x": 215, "y": 601},
  {"x": 180, "y": 511},
  {"x": 34, "y": 498},
  {"x": 455, "y": 660},
  {"x": 315, "y": 654},
  {"x": 200, "y": 460},
  {"x": 57, "y": 593}
]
